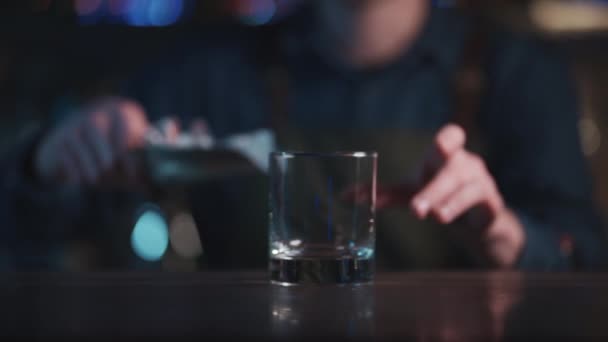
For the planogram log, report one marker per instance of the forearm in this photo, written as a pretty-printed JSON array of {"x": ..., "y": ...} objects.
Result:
[
  {"x": 504, "y": 240},
  {"x": 32, "y": 210}
]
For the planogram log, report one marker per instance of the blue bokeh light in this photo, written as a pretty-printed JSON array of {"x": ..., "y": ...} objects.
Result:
[
  {"x": 150, "y": 236},
  {"x": 132, "y": 12},
  {"x": 163, "y": 12},
  {"x": 136, "y": 12},
  {"x": 152, "y": 12}
]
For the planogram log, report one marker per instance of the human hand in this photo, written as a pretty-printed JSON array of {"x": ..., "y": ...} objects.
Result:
[
  {"x": 93, "y": 144},
  {"x": 457, "y": 184},
  {"x": 454, "y": 184}
]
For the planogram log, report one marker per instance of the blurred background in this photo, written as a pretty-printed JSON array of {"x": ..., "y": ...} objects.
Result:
[{"x": 49, "y": 48}]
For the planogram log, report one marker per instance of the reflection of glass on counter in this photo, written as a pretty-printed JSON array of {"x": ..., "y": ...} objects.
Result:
[{"x": 300, "y": 311}]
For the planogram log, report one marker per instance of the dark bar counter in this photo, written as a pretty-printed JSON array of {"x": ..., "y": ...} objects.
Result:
[{"x": 409, "y": 306}]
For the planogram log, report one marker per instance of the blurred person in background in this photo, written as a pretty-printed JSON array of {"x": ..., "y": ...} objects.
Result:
[{"x": 498, "y": 181}]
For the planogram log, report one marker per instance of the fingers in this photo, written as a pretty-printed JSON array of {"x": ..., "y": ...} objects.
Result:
[
  {"x": 118, "y": 133},
  {"x": 128, "y": 124},
  {"x": 447, "y": 153},
  {"x": 448, "y": 141},
  {"x": 444, "y": 183},
  {"x": 90, "y": 149},
  {"x": 463, "y": 184},
  {"x": 170, "y": 129},
  {"x": 99, "y": 146},
  {"x": 127, "y": 131},
  {"x": 136, "y": 123},
  {"x": 468, "y": 196},
  {"x": 82, "y": 157},
  {"x": 92, "y": 142}
]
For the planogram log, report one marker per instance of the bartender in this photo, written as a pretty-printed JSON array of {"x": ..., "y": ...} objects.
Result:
[{"x": 500, "y": 181}]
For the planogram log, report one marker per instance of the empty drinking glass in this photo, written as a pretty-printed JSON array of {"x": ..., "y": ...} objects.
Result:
[{"x": 322, "y": 211}]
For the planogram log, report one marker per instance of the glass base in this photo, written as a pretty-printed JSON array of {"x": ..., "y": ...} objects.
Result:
[{"x": 321, "y": 271}]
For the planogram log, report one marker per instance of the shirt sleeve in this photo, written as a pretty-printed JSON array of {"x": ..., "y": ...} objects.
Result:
[
  {"x": 40, "y": 218},
  {"x": 536, "y": 157},
  {"x": 36, "y": 216}
]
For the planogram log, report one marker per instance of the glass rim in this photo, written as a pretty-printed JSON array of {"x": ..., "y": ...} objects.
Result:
[{"x": 352, "y": 154}]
